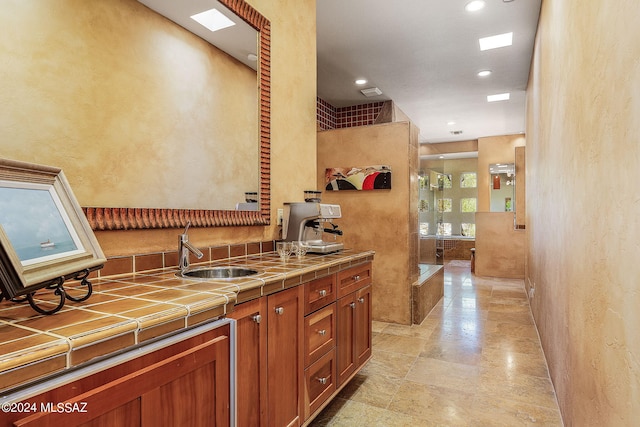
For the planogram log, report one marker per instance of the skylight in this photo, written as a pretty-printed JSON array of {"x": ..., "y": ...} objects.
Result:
[
  {"x": 494, "y": 42},
  {"x": 498, "y": 97},
  {"x": 213, "y": 20}
]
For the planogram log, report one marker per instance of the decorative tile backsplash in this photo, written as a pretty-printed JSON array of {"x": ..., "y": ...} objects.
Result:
[
  {"x": 330, "y": 117},
  {"x": 142, "y": 262}
]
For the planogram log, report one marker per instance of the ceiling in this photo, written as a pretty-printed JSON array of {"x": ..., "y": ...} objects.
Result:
[
  {"x": 239, "y": 40},
  {"x": 424, "y": 55}
]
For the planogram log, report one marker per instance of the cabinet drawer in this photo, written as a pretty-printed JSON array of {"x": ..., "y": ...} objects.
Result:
[
  {"x": 353, "y": 278},
  {"x": 319, "y": 333},
  {"x": 319, "y": 382},
  {"x": 319, "y": 293}
]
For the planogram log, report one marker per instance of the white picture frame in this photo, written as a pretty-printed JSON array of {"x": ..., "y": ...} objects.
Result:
[{"x": 44, "y": 234}]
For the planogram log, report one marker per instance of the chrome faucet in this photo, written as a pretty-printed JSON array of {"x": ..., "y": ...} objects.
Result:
[{"x": 184, "y": 247}]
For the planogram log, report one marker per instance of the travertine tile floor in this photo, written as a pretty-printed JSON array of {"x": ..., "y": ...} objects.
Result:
[{"x": 476, "y": 360}]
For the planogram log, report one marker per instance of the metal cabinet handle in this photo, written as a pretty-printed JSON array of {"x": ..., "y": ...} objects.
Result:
[
  {"x": 322, "y": 332},
  {"x": 279, "y": 310},
  {"x": 352, "y": 305},
  {"x": 361, "y": 300},
  {"x": 256, "y": 318},
  {"x": 322, "y": 293},
  {"x": 322, "y": 381},
  {"x": 356, "y": 277}
]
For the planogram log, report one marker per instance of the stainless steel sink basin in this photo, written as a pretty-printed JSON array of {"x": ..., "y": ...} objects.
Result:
[{"x": 226, "y": 273}]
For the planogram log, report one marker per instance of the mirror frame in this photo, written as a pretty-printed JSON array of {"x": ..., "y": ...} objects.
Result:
[{"x": 115, "y": 218}]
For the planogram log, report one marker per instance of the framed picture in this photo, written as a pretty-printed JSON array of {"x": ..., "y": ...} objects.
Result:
[
  {"x": 375, "y": 177},
  {"x": 44, "y": 235}
]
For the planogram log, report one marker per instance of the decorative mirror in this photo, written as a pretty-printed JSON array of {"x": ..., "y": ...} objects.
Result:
[
  {"x": 44, "y": 237},
  {"x": 113, "y": 218},
  {"x": 502, "y": 187}
]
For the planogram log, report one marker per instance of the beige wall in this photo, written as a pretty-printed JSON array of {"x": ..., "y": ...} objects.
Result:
[
  {"x": 583, "y": 205},
  {"x": 500, "y": 249},
  {"x": 64, "y": 116},
  {"x": 382, "y": 220}
]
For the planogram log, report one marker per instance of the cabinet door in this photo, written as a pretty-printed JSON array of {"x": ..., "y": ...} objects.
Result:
[
  {"x": 363, "y": 325},
  {"x": 345, "y": 352},
  {"x": 285, "y": 362},
  {"x": 190, "y": 388},
  {"x": 251, "y": 356}
]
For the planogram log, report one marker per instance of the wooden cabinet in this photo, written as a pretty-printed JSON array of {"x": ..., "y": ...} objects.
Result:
[
  {"x": 354, "y": 321},
  {"x": 363, "y": 321},
  {"x": 320, "y": 382},
  {"x": 251, "y": 356},
  {"x": 269, "y": 333},
  {"x": 319, "y": 293},
  {"x": 285, "y": 368},
  {"x": 319, "y": 343},
  {"x": 298, "y": 347},
  {"x": 184, "y": 384},
  {"x": 354, "y": 278},
  {"x": 319, "y": 333}
]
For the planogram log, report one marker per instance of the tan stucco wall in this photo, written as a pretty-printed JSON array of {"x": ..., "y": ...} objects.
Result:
[
  {"x": 583, "y": 205},
  {"x": 500, "y": 249},
  {"x": 63, "y": 115},
  {"x": 381, "y": 220}
]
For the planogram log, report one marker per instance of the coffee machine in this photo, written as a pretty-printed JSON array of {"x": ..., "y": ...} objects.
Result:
[{"x": 308, "y": 222}]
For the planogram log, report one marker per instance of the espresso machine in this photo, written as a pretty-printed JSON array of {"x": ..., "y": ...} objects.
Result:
[{"x": 308, "y": 223}]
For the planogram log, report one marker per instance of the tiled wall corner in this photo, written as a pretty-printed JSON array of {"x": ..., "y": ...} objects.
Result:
[{"x": 330, "y": 117}]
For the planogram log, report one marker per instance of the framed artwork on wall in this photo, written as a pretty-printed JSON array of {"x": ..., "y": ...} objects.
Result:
[
  {"x": 377, "y": 177},
  {"x": 45, "y": 238}
]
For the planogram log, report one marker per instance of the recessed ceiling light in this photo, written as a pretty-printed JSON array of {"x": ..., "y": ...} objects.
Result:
[
  {"x": 451, "y": 123},
  {"x": 213, "y": 20},
  {"x": 361, "y": 81},
  {"x": 498, "y": 97},
  {"x": 441, "y": 157},
  {"x": 474, "y": 6},
  {"x": 494, "y": 42},
  {"x": 484, "y": 73}
]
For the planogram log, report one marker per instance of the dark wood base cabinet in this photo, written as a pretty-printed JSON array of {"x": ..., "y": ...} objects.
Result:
[
  {"x": 269, "y": 359},
  {"x": 297, "y": 348},
  {"x": 184, "y": 384}
]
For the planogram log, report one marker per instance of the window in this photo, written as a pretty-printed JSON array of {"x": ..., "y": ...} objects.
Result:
[
  {"x": 444, "y": 181},
  {"x": 444, "y": 229},
  {"x": 424, "y": 228},
  {"x": 468, "y": 229},
  {"x": 468, "y": 180},
  {"x": 444, "y": 205},
  {"x": 468, "y": 205}
]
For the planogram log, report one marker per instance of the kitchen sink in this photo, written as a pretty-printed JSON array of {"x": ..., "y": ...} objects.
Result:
[{"x": 226, "y": 273}]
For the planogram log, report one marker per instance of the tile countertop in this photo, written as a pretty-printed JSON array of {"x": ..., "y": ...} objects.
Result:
[{"x": 129, "y": 310}]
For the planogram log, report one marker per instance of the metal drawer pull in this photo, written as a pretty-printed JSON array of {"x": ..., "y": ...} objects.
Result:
[
  {"x": 322, "y": 381},
  {"x": 322, "y": 293},
  {"x": 361, "y": 300},
  {"x": 279, "y": 310},
  {"x": 256, "y": 318},
  {"x": 322, "y": 332},
  {"x": 352, "y": 305},
  {"x": 356, "y": 277}
]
